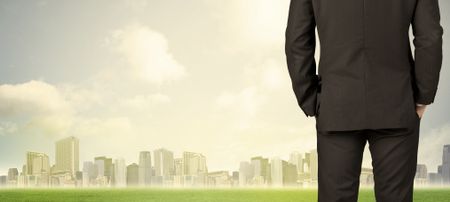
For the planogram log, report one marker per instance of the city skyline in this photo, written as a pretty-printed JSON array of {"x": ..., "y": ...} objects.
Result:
[
  {"x": 188, "y": 169},
  {"x": 288, "y": 156}
]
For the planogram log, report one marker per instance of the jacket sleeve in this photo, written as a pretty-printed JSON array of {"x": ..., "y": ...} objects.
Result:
[
  {"x": 299, "y": 48},
  {"x": 427, "y": 41}
]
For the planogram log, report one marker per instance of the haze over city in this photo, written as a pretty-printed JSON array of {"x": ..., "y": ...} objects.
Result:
[
  {"x": 190, "y": 169},
  {"x": 131, "y": 76}
]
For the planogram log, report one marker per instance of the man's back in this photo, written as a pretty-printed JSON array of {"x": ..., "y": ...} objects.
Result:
[{"x": 367, "y": 78}]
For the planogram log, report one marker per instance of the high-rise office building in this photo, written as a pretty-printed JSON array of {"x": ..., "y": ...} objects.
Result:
[
  {"x": 145, "y": 168},
  {"x": 421, "y": 176},
  {"x": 13, "y": 173},
  {"x": 104, "y": 166},
  {"x": 235, "y": 178},
  {"x": 296, "y": 158},
  {"x": 3, "y": 180},
  {"x": 38, "y": 169},
  {"x": 434, "y": 179},
  {"x": 421, "y": 171},
  {"x": 67, "y": 155},
  {"x": 245, "y": 173},
  {"x": 163, "y": 162},
  {"x": 120, "y": 173},
  {"x": 90, "y": 172},
  {"x": 290, "y": 173},
  {"x": 261, "y": 169},
  {"x": 178, "y": 166},
  {"x": 133, "y": 174},
  {"x": 445, "y": 167},
  {"x": 276, "y": 169},
  {"x": 37, "y": 163},
  {"x": 313, "y": 165},
  {"x": 306, "y": 163},
  {"x": 194, "y": 163},
  {"x": 195, "y": 171}
]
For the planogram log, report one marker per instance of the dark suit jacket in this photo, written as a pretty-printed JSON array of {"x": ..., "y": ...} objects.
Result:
[{"x": 367, "y": 77}]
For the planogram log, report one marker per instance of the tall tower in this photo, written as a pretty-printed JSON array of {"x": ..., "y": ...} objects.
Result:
[
  {"x": 261, "y": 167},
  {"x": 245, "y": 172},
  {"x": 67, "y": 155},
  {"x": 276, "y": 171},
  {"x": 296, "y": 158},
  {"x": 13, "y": 173},
  {"x": 104, "y": 167},
  {"x": 194, "y": 163},
  {"x": 163, "y": 162},
  {"x": 446, "y": 164},
  {"x": 145, "y": 168},
  {"x": 313, "y": 165},
  {"x": 120, "y": 173},
  {"x": 132, "y": 174},
  {"x": 194, "y": 168},
  {"x": 38, "y": 168},
  {"x": 37, "y": 163}
]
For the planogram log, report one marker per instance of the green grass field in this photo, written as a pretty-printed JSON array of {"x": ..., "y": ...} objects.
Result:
[{"x": 196, "y": 195}]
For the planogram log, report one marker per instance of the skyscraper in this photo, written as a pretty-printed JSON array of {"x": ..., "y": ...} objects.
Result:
[
  {"x": 195, "y": 171},
  {"x": 261, "y": 168},
  {"x": 37, "y": 163},
  {"x": 120, "y": 173},
  {"x": 313, "y": 165},
  {"x": 163, "y": 162},
  {"x": 105, "y": 167},
  {"x": 194, "y": 163},
  {"x": 446, "y": 165},
  {"x": 245, "y": 173},
  {"x": 297, "y": 159},
  {"x": 421, "y": 175},
  {"x": 145, "y": 168},
  {"x": 276, "y": 169},
  {"x": 13, "y": 173},
  {"x": 132, "y": 174},
  {"x": 3, "y": 180},
  {"x": 306, "y": 162},
  {"x": 178, "y": 166},
  {"x": 67, "y": 155},
  {"x": 290, "y": 173},
  {"x": 90, "y": 172},
  {"x": 38, "y": 169}
]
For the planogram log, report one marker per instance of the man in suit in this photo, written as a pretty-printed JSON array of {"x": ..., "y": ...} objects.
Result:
[{"x": 369, "y": 88}]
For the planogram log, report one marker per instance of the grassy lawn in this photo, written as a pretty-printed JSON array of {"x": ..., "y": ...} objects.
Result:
[{"x": 196, "y": 195}]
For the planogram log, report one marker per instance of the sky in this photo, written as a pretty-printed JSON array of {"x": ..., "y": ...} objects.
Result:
[{"x": 127, "y": 76}]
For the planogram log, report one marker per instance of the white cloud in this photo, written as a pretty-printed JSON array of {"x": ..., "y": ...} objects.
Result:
[
  {"x": 250, "y": 23},
  {"x": 34, "y": 107},
  {"x": 33, "y": 97},
  {"x": 242, "y": 105},
  {"x": 7, "y": 128},
  {"x": 82, "y": 98},
  {"x": 147, "y": 53},
  {"x": 261, "y": 80},
  {"x": 262, "y": 20}
]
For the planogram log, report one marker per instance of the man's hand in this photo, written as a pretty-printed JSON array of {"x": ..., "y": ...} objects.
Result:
[{"x": 420, "y": 109}]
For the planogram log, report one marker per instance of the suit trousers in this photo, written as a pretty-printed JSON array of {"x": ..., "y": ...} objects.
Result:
[{"x": 394, "y": 162}]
